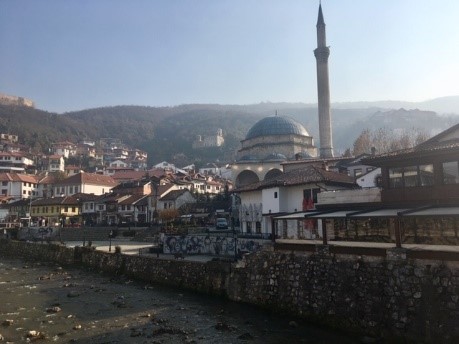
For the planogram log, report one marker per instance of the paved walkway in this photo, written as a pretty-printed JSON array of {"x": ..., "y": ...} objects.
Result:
[
  {"x": 134, "y": 248},
  {"x": 423, "y": 247}
]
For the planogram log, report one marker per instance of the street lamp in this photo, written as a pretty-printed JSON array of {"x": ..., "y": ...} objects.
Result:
[{"x": 110, "y": 240}]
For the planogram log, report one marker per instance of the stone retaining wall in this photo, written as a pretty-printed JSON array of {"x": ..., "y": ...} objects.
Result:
[{"x": 380, "y": 296}]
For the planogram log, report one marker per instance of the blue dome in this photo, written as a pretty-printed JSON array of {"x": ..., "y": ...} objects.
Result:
[
  {"x": 276, "y": 125},
  {"x": 248, "y": 158},
  {"x": 275, "y": 157}
]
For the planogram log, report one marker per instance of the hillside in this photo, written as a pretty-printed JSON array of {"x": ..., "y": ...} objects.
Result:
[{"x": 167, "y": 133}]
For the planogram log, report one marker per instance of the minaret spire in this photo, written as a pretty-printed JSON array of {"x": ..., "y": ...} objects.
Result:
[{"x": 323, "y": 88}]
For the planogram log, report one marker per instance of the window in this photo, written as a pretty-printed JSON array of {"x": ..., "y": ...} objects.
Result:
[
  {"x": 275, "y": 194},
  {"x": 410, "y": 176},
  {"x": 4, "y": 183},
  {"x": 395, "y": 178},
  {"x": 311, "y": 194},
  {"x": 357, "y": 172},
  {"x": 258, "y": 227},
  {"x": 426, "y": 175},
  {"x": 86, "y": 206},
  {"x": 52, "y": 209},
  {"x": 249, "y": 227},
  {"x": 92, "y": 206},
  {"x": 76, "y": 189},
  {"x": 450, "y": 172},
  {"x": 71, "y": 190}
]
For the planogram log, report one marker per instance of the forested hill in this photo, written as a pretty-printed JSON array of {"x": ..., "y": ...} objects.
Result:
[{"x": 167, "y": 133}]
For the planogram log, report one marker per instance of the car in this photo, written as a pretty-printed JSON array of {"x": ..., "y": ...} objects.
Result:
[{"x": 221, "y": 223}]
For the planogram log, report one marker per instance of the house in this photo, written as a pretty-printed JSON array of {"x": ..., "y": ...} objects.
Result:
[
  {"x": 119, "y": 163},
  {"x": 64, "y": 148},
  {"x": 15, "y": 162},
  {"x": 417, "y": 201},
  {"x": 289, "y": 192},
  {"x": 64, "y": 211},
  {"x": 427, "y": 174},
  {"x": 56, "y": 163},
  {"x": 84, "y": 183},
  {"x": 106, "y": 207},
  {"x": 369, "y": 179},
  {"x": 137, "y": 187},
  {"x": 18, "y": 212},
  {"x": 133, "y": 209},
  {"x": 18, "y": 185},
  {"x": 71, "y": 170},
  {"x": 88, "y": 209},
  {"x": 174, "y": 199}
]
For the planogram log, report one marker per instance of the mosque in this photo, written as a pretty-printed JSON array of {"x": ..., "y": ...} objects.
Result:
[{"x": 276, "y": 139}]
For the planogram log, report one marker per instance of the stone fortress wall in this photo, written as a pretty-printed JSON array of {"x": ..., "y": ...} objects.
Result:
[
  {"x": 14, "y": 100},
  {"x": 392, "y": 297}
]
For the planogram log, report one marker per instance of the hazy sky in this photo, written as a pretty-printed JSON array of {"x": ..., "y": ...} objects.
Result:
[{"x": 77, "y": 54}]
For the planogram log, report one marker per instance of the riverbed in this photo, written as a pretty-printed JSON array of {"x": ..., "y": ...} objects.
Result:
[{"x": 51, "y": 303}]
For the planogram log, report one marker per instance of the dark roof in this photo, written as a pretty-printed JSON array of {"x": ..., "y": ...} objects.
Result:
[
  {"x": 132, "y": 199},
  {"x": 439, "y": 137},
  {"x": 276, "y": 125},
  {"x": 307, "y": 175}
]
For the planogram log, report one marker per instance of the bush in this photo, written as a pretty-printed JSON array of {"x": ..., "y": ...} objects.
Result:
[{"x": 118, "y": 249}]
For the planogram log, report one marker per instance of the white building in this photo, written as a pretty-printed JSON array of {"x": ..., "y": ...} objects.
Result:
[
  {"x": 18, "y": 186},
  {"x": 290, "y": 192},
  {"x": 88, "y": 183}
]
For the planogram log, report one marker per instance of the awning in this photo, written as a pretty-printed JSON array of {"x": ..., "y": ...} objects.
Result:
[
  {"x": 379, "y": 213},
  {"x": 297, "y": 216},
  {"x": 434, "y": 211},
  {"x": 333, "y": 215}
]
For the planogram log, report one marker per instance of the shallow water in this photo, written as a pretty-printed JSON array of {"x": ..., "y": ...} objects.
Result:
[{"x": 69, "y": 305}]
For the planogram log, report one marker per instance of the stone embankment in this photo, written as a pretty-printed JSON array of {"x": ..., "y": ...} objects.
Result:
[{"x": 389, "y": 297}]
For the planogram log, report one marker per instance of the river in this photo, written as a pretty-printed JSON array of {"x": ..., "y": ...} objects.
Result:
[{"x": 69, "y": 305}]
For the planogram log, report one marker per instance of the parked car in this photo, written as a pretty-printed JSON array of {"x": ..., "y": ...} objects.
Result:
[{"x": 221, "y": 223}]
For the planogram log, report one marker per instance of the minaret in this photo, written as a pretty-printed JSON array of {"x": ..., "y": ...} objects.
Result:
[{"x": 323, "y": 89}]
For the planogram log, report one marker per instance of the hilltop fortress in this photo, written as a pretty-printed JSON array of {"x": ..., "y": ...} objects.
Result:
[{"x": 14, "y": 100}]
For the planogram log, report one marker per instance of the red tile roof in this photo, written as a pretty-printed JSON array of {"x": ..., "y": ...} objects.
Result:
[
  {"x": 88, "y": 178},
  {"x": 16, "y": 177}
]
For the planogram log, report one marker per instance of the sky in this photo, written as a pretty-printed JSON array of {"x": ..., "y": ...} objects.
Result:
[{"x": 79, "y": 54}]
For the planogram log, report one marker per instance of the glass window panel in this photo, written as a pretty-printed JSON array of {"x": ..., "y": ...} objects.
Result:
[
  {"x": 426, "y": 175},
  {"x": 410, "y": 176},
  {"x": 395, "y": 178},
  {"x": 450, "y": 172}
]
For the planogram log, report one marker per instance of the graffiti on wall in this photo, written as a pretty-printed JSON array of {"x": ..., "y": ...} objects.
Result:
[
  {"x": 37, "y": 233},
  {"x": 207, "y": 244}
]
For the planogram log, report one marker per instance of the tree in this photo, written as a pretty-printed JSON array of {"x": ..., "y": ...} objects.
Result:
[
  {"x": 167, "y": 215},
  {"x": 363, "y": 143},
  {"x": 384, "y": 140}
]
